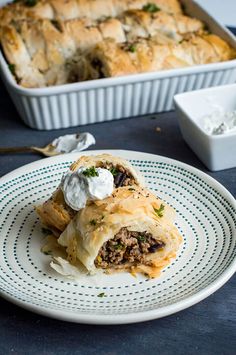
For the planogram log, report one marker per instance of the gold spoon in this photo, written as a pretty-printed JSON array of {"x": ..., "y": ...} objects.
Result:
[{"x": 48, "y": 151}]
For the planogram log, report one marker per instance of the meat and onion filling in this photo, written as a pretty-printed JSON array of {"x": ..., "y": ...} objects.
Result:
[
  {"x": 121, "y": 176},
  {"x": 127, "y": 247}
]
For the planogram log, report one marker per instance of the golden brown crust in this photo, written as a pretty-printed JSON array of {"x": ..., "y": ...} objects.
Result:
[
  {"x": 144, "y": 24},
  {"x": 65, "y": 10},
  {"x": 112, "y": 28},
  {"x": 222, "y": 50},
  {"x": 54, "y": 213},
  {"x": 47, "y": 47},
  {"x": 149, "y": 55},
  {"x": 17, "y": 55},
  {"x": 18, "y": 11},
  {"x": 52, "y": 43},
  {"x": 115, "y": 61},
  {"x": 71, "y": 9}
]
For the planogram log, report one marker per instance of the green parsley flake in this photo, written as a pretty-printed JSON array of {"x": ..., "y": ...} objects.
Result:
[
  {"x": 160, "y": 211},
  {"x": 48, "y": 252},
  {"x": 131, "y": 189},
  {"x": 102, "y": 295},
  {"x": 132, "y": 48},
  {"x": 12, "y": 68},
  {"x": 141, "y": 238},
  {"x": 114, "y": 171},
  {"x": 118, "y": 246},
  {"x": 90, "y": 172},
  {"x": 150, "y": 7}
]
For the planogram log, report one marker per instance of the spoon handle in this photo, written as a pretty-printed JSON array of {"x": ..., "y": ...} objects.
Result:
[{"x": 16, "y": 150}]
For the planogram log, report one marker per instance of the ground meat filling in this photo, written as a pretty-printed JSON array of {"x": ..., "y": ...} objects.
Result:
[
  {"x": 127, "y": 247},
  {"x": 121, "y": 176}
]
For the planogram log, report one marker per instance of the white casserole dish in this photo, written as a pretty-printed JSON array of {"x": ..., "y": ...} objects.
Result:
[{"x": 113, "y": 98}]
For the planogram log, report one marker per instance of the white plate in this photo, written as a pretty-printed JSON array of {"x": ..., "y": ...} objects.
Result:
[{"x": 206, "y": 218}]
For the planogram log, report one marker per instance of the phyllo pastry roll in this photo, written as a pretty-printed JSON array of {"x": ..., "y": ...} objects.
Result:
[
  {"x": 132, "y": 230},
  {"x": 45, "y": 52},
  {"x": 110, "y": 59},
  {"x": 144, "y": 24},
  {"x": 73, "y": 9},
  {"x": 89, "y": 178}
]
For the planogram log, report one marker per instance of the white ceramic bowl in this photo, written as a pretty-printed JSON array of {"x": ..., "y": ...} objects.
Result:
[{"x": 217, "y": 152}]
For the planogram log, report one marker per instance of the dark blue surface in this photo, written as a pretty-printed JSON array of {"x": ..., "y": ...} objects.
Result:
[{"x": 206, "y": 328}]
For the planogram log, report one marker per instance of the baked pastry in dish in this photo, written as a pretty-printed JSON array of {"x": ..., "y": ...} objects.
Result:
[
  {"x": 110, "y": 59},
  {"x": 145, "y": 24},
  {"x": 56, "y": 214},
  {"x": 73, "y": 9},
  {"x": 55, "y": 42},
  {"x": 45, "y": 52},
  {"x": 132, "y": 230}
]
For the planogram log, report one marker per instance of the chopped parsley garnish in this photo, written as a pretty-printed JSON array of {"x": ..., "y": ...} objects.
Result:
[
  {"x": 131, "y": 189},
  {"x": 132, "y": 48},
  {"x": 118, "y": 246},
  {"x": 141, "y": 238},
  {"x": 48, "y": 252},
  {"x": 93, "y": 222},
  {"x": 150, "y": 7},
  {"x": 90, "y": 172},
  {"x": 114, "y": 171},
  {"x": 102, "y": 295},
  {"x": 12, "y": 68},
  {"x": 160, "y": 211}
]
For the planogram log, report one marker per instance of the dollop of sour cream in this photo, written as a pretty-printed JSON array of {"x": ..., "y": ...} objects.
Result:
[
  {"x": 72, "y": 143},
  {"x": 78, "y": 187}
]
